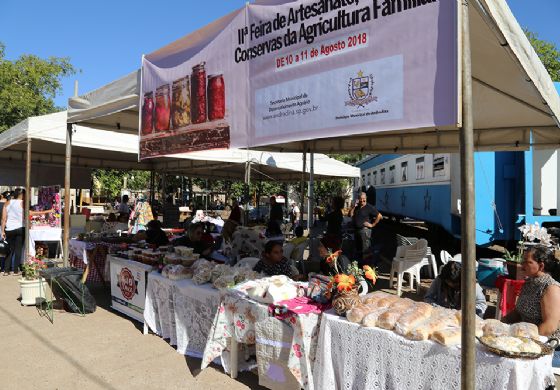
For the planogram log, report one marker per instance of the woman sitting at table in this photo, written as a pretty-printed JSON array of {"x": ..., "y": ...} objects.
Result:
[
  {"x": 445, "y": 290},
  {"x": 539, "y": 299},
  {"x": 194, "y": 239},
  {"x": 273, "y": 262},
  {"x": 155, "y": 234}
]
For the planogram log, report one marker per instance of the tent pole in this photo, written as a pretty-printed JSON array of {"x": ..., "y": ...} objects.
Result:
[
  {"x": 27, "y": 196},
  {"x": 302, "y": 187},
  {"x": 310, "y": 195},
  {"x": 247, "y": 197},
  {"x": 468, "y": 249},
  {"x": 67, "y": 195}
]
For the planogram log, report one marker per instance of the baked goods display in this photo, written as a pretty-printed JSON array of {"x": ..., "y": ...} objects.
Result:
[
  {"x": 420, "y": 321},
  {"x": 524, "y": 329},
  {"x": 495, "y": 328}
]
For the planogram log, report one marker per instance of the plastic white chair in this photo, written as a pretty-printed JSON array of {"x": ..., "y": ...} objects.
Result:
[
  {"x": 445, "y": 257},
  {"x": 430, "y": 259},
  {"x": 408, "y": 259}
]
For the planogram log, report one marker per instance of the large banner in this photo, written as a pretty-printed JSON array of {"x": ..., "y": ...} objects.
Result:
[{"x": 303, "y": 70}]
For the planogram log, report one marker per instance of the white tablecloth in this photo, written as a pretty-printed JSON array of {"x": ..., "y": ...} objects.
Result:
[
  {"x": 181, "y": 311},
  {"x": 43, "y": 234},
  {"x": 353, "y": 357}
]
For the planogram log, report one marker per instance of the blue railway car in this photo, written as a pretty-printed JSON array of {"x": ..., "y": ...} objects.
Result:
[{"x": 511, "y": 188}]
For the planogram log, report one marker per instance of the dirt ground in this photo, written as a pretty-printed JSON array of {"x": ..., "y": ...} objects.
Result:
[{"x": 103, "y": 350}]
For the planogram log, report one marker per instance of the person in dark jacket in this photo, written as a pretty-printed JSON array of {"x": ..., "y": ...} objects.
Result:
[
  {"x": 276, "y": 212},
  {"x": 155, "y": 234}
]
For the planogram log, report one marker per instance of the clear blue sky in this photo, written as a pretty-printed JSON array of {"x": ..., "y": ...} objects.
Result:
[{"x": 106, "y": 39}]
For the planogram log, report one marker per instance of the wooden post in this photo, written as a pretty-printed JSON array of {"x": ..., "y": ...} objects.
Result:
[{"x": 27, "y": 204}]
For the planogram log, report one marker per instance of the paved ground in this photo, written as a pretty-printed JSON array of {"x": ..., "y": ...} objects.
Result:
[{"x": 100, "y": 351}]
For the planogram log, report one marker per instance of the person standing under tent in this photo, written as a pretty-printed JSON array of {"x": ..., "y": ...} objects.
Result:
[
  {"x": 4, "y": 197},
  {"x": 13, "y": 230},
  {"x": 276, "y": 212},
  {"x": 333, "y": 234},
  {"x": 124, "y": 208},
  {"x": 365, "y": 217},
  {"x": 141, "y": 215},
  {"x": 294, "y": 215},
  {"x": 171, "y": 213}
]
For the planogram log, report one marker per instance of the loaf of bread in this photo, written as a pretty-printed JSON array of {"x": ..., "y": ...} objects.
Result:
[
  {"x": 387, "y": 301},
  {"x": 370, "y": 320},
  {"x": 448, "y": 337},
  {"x": 402, "y": 303},
  {"x": 440, "y": 319},
  {"x": 357, "y": 313},
  {"x": 524, "y": 329},
  {"x": 374, "y": 297},
  {"x": 495, "y": 328},
  {"x": 417, "y": 314}
]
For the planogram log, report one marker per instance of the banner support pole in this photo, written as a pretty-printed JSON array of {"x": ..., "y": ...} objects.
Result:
[{"x": 468, "y": 248}]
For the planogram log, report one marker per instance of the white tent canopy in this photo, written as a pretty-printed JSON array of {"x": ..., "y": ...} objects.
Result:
[
  {"x": 512, "y": 94},
  {"x": 96, "y": 148}
]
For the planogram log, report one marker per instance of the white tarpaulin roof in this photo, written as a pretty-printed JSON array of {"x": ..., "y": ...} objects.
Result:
[
  {"x": 512, "y": 94},
  {"x": 95, "y": 148}
]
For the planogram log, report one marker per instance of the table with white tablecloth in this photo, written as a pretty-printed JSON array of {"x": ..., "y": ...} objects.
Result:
[
  {"x": 350, "y": 356},
  {"x": 181, "y": 311},
  {"x": 46, "y": 234}
]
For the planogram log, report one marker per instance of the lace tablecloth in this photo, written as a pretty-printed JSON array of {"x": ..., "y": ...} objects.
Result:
[
  {"x": 79, "y": 249},
  {"x": 195, "y": 308},
  {"x": 181, "y": 311},
  {"x": 237, "y": 316},
  {"x": 353, "y": 357},
  {"x": 159, "y": 310}
]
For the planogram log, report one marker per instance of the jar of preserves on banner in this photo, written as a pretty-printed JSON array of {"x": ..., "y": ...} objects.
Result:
[
  {"x": 148, "y": 113},
  {"x": 198, "y": 94},
  {"x": 216, "y": 97},
  {"x": 181, "y": 103},
  {"x": 163, "y": 108}
]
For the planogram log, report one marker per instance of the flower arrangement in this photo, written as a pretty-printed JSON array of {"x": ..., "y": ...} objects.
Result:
[
  {"x": 31, "y": 268},
  {"x": 349, "y": 280},
  {"x": 530, "y": 233}
]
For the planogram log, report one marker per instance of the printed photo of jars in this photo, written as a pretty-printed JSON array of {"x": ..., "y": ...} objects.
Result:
[
  {"x": 198, "y": 94},
  {"x": 181, "y": 103},
  {"x": 163, "y": 108},
  {"x": 216, "y": 97},
  {"x": 148, "y": 114}
]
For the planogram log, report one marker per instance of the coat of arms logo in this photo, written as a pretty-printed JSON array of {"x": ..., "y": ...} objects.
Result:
[{"x": 360, "y": 90}]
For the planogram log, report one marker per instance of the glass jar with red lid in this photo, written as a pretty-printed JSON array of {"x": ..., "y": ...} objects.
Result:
[
  {"x": 148, "y": 114},
  {"x": 163, "y": 108},
  {"x": 216, "y": 97},
  {"x": 198, "y": 94}
]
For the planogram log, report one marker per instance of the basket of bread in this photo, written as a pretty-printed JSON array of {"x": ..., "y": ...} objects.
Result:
[{"x": 519, "y": 340}]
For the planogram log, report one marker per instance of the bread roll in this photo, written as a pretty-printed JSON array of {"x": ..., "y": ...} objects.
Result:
[
  {"x": 403, "y": 304},
  {"x": 387, "y": 301},
  {"x": 524, "y": 329},
  {"x": 417, "y": 314},
  {"x": 448, "y": 337},
  {"x": 370, "y": 320},
  {"x": 495, "y": 328},
  {"x": 373, "y": 298},
  {"x": 440, "y": 319},
  {"x": 356, "y": 314}
]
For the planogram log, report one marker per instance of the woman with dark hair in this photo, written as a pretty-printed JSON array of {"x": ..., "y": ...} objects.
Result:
[
  {"x": 194, "y": 239},
  {"x": 13, "y": 229},
  {"x": 333, "y": 235},
  {"x": 539, "y": 299},
  {"x": 273, "y": 261},
  {"x": 155, "y": 234},
  {"x": 445, "y": 290}
]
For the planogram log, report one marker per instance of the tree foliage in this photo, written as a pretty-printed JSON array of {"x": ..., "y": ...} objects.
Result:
[
  {"x": 28, "y": 86},
  {"x": 110, "y": 182},
  {"x": 548, "y": 53}
]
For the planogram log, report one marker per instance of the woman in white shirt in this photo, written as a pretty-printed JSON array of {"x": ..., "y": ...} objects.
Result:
[{"x": 13, "y": 230}]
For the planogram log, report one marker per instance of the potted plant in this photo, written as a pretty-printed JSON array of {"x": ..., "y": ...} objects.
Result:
[
  {"x": 32, "y": 285},
  {"x": 344, "y": 288}
]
